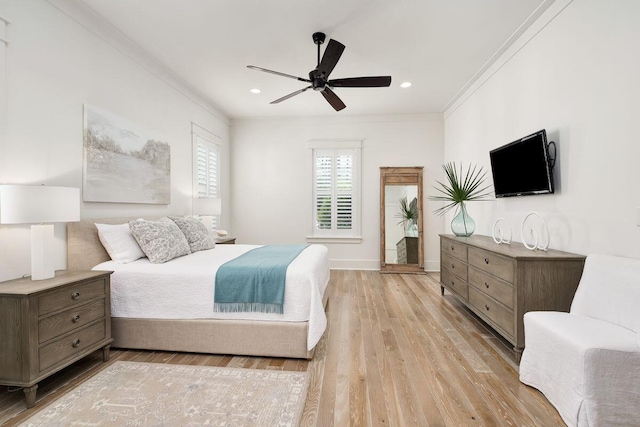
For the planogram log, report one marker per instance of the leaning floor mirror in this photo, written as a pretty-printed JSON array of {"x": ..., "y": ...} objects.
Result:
[{"x": 401, "y": 223}]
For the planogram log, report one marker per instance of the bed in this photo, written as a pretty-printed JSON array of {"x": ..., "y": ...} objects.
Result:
[{"x": 293, "y": 334}]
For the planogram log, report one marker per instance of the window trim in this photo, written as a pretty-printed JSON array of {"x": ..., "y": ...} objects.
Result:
[{"x": 337, "y": 144}]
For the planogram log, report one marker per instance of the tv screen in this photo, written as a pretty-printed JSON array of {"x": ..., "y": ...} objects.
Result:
[{"x": 522, "y": 167}]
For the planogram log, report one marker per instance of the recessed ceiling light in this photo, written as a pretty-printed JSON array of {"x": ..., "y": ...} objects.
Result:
[
  {"x": 255, "y": 90},
  {"x": 405, "y": 84}
]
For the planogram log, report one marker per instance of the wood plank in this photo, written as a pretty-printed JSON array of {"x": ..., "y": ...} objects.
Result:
[{"x": 395, "y": 353}]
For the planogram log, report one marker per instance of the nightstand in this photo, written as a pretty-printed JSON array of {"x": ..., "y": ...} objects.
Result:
[
  {"x": 46, "y": 325},
  {"x": 225, "y": 241}
]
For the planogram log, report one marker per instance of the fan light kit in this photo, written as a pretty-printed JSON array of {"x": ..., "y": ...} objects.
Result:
[
  {"x": 405, "y": 85},
  {"x": 319, "y": 77},
  {"x": 255, "y": 91}
]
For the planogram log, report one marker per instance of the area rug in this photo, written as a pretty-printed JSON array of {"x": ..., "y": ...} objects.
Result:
[{"x": 152, "y": 394}]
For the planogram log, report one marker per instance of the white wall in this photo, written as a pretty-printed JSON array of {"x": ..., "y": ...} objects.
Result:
[
  {"x": 574, "y": 73},
  {"x": 271, "y": 178},
  {"x": 59, "y": 58}
]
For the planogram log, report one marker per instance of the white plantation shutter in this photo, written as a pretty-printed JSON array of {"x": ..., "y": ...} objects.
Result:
[
  {"x": 335, "y": 196},
  {"x": 206, "y": 169}
]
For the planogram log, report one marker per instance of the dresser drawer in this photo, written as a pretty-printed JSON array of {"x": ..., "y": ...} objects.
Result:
[
  {"x": 501, "y": 316},
  {"x": 74, "y": 318},
  {"x": 491, "y": 263},
  {"x": 492, "y": 286},
  {"x": 455, "y": 266},
  {"x": 77, "y": 293},
  {"x": 455, "y": 284},
  {"x": 71, "y": 344},
  {"x": 453, "y": 248}
]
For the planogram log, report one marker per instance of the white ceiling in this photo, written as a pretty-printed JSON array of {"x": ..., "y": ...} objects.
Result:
[{"x": 438, "y": 45}]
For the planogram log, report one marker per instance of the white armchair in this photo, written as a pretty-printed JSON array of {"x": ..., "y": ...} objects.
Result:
[{"x": 587, "y": 362}]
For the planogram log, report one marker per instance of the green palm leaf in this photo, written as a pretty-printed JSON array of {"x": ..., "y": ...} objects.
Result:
[{"x": 460, "y": 188}]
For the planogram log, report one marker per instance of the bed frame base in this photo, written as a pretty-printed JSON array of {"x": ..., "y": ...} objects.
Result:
[{"x": 238, "y": 337}]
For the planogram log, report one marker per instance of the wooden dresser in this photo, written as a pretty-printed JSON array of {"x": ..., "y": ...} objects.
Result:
[
  {"x": 502, "y": 282},
  {"x": 46, "y": 325},
  {"x": 407, "y": 249}
]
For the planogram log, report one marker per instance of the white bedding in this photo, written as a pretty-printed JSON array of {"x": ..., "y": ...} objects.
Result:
[{"x": 183, "y": 288}]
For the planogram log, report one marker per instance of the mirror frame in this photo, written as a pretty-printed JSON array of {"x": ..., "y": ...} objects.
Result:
[{"x": 401, "y": 176}]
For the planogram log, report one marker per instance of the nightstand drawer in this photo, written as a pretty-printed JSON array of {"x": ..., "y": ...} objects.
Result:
[
  {"x": 77, "y": 293},
  {"x": 71, "y": 344},
  {"x": 74, "y": 318}
]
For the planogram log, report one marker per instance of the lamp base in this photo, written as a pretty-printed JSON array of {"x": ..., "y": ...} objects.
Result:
[{"x": 42, "y": 266}]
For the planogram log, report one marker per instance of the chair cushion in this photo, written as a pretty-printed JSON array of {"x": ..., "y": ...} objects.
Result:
[
  {"x": 587, "y": 368},
  {"x": 610, "y": 290}
]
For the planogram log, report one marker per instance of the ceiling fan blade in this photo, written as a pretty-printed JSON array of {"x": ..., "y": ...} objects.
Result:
[
  {"x": 333, "y": 99},
  {"x": 284, "y": 98},
  {"x": 378, "y": 81},
  {"x": 277, "y": 73},
  {"x": 332, "y": 54}
]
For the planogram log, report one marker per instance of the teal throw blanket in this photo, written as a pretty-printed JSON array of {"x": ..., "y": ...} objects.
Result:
[{"x": 254, "y": 282}]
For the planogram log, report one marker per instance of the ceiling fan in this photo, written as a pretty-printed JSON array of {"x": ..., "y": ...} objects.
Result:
[{"x": 319, "y": 77}]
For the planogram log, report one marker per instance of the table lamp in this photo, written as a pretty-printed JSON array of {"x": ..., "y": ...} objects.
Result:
[
  {"x": 40, "y": 206},
  {"x": 207, "y": 207}
]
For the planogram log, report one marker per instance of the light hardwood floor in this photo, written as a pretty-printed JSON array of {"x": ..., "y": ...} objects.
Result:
[{"x": 395, "y": 353}]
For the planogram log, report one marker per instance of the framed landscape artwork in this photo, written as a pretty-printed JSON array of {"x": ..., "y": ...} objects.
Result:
[{"x": 123, "y": 162}]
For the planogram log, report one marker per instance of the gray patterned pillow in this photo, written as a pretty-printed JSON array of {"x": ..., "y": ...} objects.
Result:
[
  {"x": 160, "y": 240},
  {"x": 196, "y": 233}
]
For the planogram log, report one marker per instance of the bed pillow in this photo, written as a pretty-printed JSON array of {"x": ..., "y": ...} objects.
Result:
[
  {"x": 160, "y": 240},
  {"x": 195, "y": 232},
  {"x": 119, "y": 243}
]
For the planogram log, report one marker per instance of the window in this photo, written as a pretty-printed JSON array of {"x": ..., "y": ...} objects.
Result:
[
  {"x": 206, "y": 168},
  {"x": 336, "y": 194}
]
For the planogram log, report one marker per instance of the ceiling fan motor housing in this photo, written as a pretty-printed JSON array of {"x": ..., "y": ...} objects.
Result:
[{"x": 317, "y": 81}]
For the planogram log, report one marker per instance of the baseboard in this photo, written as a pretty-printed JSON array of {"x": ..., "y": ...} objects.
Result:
[
  {"x": 354, "y": 264},
  {"x": 366, "y": 264}
]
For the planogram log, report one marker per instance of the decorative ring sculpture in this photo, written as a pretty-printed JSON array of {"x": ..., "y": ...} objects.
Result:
[
  {"x": 545, "y": 230},
  {"x": 501, "y": 239}
]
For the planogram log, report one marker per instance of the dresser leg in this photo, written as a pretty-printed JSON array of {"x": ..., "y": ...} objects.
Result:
[
  {"x": 518, "y": 354},
  {"x": 30, "y": 395},
  {"x": 105, "y": 353},
  {"x": 441, "y": 290}
]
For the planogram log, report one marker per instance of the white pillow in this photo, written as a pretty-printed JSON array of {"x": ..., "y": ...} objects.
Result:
[{"x": 119, "y": 243}]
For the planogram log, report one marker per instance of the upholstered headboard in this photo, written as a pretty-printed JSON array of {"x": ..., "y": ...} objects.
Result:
[{"x": 84, "y": 250}]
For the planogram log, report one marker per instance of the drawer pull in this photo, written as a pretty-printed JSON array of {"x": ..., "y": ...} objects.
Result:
[
  {"x": 76, "y": 343},
  {"x": 453, "y": 266},
  {"x": 452, "y": 283},
  {"x": 451, "y": 247},
  {"x": 75, "y": 318},
  {"x": 75, "y": 295},
  {"x": 486, "y": 284},
  {"x": 486, "y": 306},
  {"x": 486, "y": 260}
]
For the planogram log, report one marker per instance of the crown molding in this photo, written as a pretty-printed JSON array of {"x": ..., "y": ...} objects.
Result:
[{"x": 91, "y": 21}]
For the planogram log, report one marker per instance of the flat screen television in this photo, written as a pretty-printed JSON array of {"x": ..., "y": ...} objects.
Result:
[{"x": 522, "y": 167}]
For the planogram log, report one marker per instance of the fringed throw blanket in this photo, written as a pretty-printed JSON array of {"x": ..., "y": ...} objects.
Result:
[{"x": 254, "y": 282}]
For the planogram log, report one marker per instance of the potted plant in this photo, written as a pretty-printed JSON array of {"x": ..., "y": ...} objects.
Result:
[
  {"x": 458, "y": 190},
  {"x": 408, "y": 216}
]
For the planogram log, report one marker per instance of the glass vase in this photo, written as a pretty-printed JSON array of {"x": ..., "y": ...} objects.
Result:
[{"x": 463, "y": 225}]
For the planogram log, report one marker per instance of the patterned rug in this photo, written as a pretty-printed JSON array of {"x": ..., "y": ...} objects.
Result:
[{"x": 151, "y": 394}]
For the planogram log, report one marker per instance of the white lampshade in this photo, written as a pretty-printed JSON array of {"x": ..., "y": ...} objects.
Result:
[
  {"x": 33, "y": 204},
  {"x": 207, "y": 206},
  {"x": 38, "y": 204}
]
